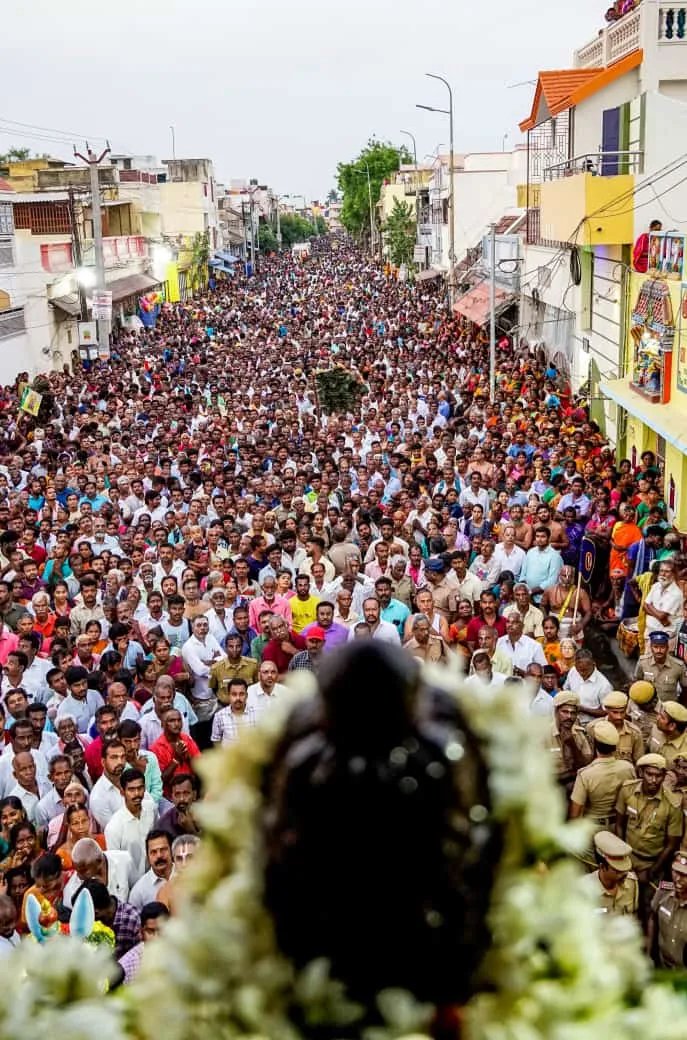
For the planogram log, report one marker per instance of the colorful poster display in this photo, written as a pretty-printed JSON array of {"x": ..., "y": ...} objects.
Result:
[{"x": 681, "y": 365}]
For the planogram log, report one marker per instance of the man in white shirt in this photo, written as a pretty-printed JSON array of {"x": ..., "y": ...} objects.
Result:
[
  {"x": 199, "y": 653},
  {"x": 475, "y": 494},
  {"x": 263, "y": 693},
  {"x": 21, "y": 739},
  {"x": 106, "y": 797},
  {"x": 520, "y": 649},
  {"x": 385, "y": 631},
  {"x": 159, "y": 853},
  {"x": 9, "y": 937},
  {"x": 532, "y": 617},
  {"x": 483, "y": 675},
  {"x": 508, "y": 555},
  {"x": 541, "y": 703},
  {"x": 590, "y": 686},
  {"x": 81, "y": 702},
  {"x": 26, "y": 787},
  {"x": 130, "y": 825},
  {"x": 112, "y": 868},
  {"x": 664, "y": 605},
  {"x": 51, "y": 804}
]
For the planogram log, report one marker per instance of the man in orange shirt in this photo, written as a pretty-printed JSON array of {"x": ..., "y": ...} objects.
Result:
[{"x": 174, "y": 750}]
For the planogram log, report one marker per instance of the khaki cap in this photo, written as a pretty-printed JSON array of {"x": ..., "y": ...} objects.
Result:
[
  {"x": 614, "y": 850},
  {"x": 657, "y": 761},
  {"x": 606, "y": 733},
  {"x": 676, "y": 712},
  {"x": 615, "y": 699},
  {"x": 641, "y": 692},
  {"x": 566, "y": 697}
]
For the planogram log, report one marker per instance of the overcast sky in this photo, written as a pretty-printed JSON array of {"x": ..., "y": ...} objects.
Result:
[{"x": 280, "y": 90}]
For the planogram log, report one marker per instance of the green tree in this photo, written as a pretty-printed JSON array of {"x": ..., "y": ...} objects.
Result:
[
  {"x": 200, "y": 254},
  {"x": 333, "y": 195},
  {"x": 382, "y": 159},
  {"x": 267, "y": 240},
  {"x": 399, "y": 233},
  {"x": 295, "y": 229},
  {"x": 15, "y": 154},
  {"x": 321, "y": 225}
]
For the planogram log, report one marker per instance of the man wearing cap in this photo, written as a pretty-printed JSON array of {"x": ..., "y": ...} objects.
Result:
[
  {"x": 666, "y": 673},
  {"x": 596, "y": 787},
  {"x": 614, "y": 883},
  {"x": 309, "y": 659},
  {"x": 630, "y": 740},
  {"x": 669, "y": 735},
  {"x": 667, "y": 930},
  {"x": 649, "y": 818},
  {"x": 443, "y": 591},
  {"x": 643, "y": 707},
  {"x": 676, "y": 781},
  {"x": 570, "y": 747}
]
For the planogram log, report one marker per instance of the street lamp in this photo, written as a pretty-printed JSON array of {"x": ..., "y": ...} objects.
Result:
[{"x": 451, "y": 192}]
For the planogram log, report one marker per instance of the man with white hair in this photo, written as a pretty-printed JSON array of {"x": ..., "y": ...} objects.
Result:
[{"x": 113, "y": 868}]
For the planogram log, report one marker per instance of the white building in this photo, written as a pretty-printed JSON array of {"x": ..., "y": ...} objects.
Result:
[{"x": 602, "y": 136}]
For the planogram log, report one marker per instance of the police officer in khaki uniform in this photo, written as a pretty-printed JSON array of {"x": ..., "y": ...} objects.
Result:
[
  {"x": 596, "y": 787},
  {"x": 569, "y": 746},
  {"x": 649, "y": 818},
  {"x": 669, "y": 735},
  {"x": 666, "y": 673},
  {"x": 667, "y": 931},
  {"x": 614, "y": 885},
  {"x": 643, "y": 707},
  {"x": 630, "y": 740},
  {"x": 676, "y": 781}
]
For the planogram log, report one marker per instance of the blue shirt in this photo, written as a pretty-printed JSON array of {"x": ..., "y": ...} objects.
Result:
[
  {"x": 397, "y": 613},
  {"x": 541, "y": 568}
]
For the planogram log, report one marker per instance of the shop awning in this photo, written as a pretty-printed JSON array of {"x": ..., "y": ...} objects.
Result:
[
  {"x": 668, "y": 420},
  {"x": 70, "y": 305},
  {"x": 428, "y": 275},
  {"x": 218, "y": 265},
  {"x": 226, "y": 257},
  {"x": 133, "y": 283},
  {"x": 476, "y": 304}
]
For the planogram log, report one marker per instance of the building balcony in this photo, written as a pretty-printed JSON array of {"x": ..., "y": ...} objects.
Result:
[
  {"x": 651, "y": 24},
  {"x": 583, "y": 209},
  {"x": 117, "y": 251},
  {"x": 601, "y": 164}
]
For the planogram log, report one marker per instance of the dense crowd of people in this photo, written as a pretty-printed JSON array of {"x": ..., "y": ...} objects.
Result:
[{"x": 188, "y": 526}]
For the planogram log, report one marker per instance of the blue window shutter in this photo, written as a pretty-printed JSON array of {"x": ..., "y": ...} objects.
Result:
[{"x": 610, "y": 142}]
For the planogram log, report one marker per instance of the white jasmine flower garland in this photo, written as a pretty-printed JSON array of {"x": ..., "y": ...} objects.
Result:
[{"x": 557, "y": 970}]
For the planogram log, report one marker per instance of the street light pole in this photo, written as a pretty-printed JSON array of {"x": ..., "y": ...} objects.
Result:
[
  {"x": 451, "y": 191},
  {"x": 417, "y": 185},
  {"x": 93, "y": 162}
]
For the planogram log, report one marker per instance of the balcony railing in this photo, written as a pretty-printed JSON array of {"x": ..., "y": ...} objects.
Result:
[
  {"x": 600, "y": 164},
  {"x": 117, "y": 250},
  {"x": 624, "y": 36}
]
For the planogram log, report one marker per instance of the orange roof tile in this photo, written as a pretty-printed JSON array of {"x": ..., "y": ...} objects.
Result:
[{"x": 563, "y": 88}]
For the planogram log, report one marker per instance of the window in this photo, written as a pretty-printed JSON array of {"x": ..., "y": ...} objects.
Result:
[
  {"x": 6, "y": 219},
  {"x": 6, "y": 252},
  {"x": 12, "y": 322}
]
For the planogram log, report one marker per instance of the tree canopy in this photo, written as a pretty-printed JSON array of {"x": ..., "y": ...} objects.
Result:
[
  {"x": 295, "y": 229},
  {"x": 14, "y": 154},
  {"x": 382, "y": 159},
  {"x": 399, "y": 233}
]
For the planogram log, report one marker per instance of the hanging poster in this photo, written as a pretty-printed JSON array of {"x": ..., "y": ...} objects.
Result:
[
  {"x": 681, "y": 368},
  {"x": 88, "y": 333},
  {"x": 31, "y": 401},
  {"x": 667, "y": 256}
]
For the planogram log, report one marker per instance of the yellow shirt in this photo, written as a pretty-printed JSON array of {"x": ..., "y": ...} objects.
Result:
[{"x": 303, "y": 611}]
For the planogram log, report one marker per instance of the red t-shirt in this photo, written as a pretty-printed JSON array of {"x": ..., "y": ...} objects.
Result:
[
  {"x": 164, "y": 753},
  {"x": 478, "y": 622},
  {"x": 273, "y": 651}
]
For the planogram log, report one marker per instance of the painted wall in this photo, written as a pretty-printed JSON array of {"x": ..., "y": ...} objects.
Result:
[
  {"x": 589, "y": 113},
  {"x": 665, "y": 131},
  {"x": 182, "y": 208}
]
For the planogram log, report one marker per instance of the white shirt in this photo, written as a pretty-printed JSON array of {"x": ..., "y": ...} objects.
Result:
[
  {"x": 34, "y": 681},
  {"x": 668, "y": 599},
  {"x": 526, "y": 651},
  {"x": 385, "y": 632},
  {"x": 261, "y": 701},
  {"x": 7, "y": 777},
  {"x": 591, "y": 691},
  {"x": 176, "y": 571},
  {"x": 541, "y": 703},
  {"x": 127, "y": 833},
  {"x": 119, "y": 869},
  {"x": 199, "y": 657},
  {"x": 512, "y": 561},
  {"x": 146, "y": 889},
  {"x": 7, "y": 945},
  {"x": 50, "y": 805},
  {"x": 28, "y": 800},
  {"x": 82, "y": 711},
  {"x": 475, "y": 498},
  {"x": 220, "y": 627},
  {"x": 104, "y": 801},
  {"x": 477, "y": 683}
]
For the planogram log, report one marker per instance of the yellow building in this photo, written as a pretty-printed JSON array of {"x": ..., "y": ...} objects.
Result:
[{"x": 652, "y": 395}]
